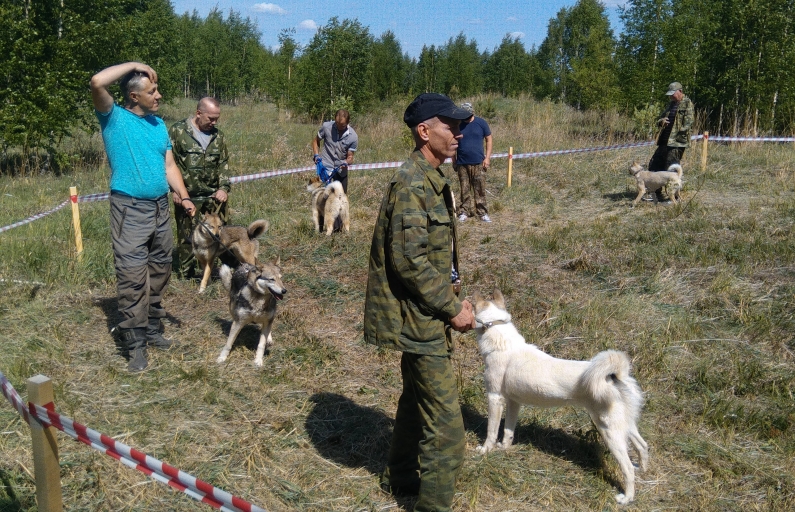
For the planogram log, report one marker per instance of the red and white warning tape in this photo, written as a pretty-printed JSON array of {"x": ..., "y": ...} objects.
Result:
[
  {"x": 389, "y": 165},
  {"x": 750, "y": 139},
  {"x": 35, "y": 217},
  {"x": 150, "y": 466}
]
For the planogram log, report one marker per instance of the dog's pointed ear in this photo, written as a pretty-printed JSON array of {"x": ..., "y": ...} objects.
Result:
[
  {"x": 278, "y": 260},
  {"x": 476, "y": 297},
  {"x": 499, "y": 300}
]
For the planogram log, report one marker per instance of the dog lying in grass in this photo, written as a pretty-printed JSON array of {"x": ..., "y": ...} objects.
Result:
[
  {"x": 211, "y": 238},
  {"x": 517, "y": 373},
  {"x": 670, "y": 181}
]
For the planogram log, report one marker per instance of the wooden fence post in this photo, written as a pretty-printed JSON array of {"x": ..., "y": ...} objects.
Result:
[
  {"x": 76, "y": 222},
  {"x": 704, "y": 152},
  {"x": 46, "y": 469},
  {"x": 510, "y": 164}
]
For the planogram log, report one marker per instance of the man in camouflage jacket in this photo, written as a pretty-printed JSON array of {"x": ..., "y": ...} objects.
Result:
[
  {"x": 411, "y": 306},
  {"x": 200, "y": 152},
  {"x": 676, "y": 122}
]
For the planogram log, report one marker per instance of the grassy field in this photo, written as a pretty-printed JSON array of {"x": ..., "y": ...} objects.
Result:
[{"x": 700, "y": 295}]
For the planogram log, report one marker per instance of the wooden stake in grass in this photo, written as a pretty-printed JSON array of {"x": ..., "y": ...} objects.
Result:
[
  {"x": 510, "y": 164},
  {"x": 76, "y": 222},
  {"x": 46, "y": 469},
  {"x": 704, "y": 152}
]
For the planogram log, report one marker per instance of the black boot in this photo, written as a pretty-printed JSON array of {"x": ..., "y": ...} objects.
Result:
[
  {"x": 154, "y": 338},
  {"x": 135, "y": 341}
]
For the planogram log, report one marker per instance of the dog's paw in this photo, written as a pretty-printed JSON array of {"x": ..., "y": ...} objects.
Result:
[
  {"x": 221, "y": 358},
  {"x": 622, "y": 499},
  {"x": 483, "y": 449},
  {"x": 258, "y": 362}
]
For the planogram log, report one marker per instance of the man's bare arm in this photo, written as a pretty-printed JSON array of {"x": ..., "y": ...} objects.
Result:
[{"x": 101, "y": 96}]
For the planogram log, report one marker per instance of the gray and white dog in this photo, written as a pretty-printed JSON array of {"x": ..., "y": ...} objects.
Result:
[{"x": 253, "y": 293}]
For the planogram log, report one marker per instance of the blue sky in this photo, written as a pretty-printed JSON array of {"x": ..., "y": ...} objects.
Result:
[{"x": 415, "y": 23}]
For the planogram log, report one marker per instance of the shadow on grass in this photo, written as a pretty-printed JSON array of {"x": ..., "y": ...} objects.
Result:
[
  {"x": 620, "y": 196},
  {"x": 110, "y": 308},
  {"x": 584, "y": 449},
  {"x": 348, "y": 433},
  {"x": 248, "y": 336}
]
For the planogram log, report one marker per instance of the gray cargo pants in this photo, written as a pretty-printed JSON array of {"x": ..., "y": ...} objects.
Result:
[{"x": 142, "y": 243}]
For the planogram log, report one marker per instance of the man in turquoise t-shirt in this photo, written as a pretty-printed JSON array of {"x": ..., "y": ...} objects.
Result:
[{"x": 142, "y": 171}]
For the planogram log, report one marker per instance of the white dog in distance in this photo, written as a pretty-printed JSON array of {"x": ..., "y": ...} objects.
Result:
[{"x": 518, "y": 373}]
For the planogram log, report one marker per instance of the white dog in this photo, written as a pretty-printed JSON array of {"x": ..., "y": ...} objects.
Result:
[
  {"x": 652, "y": 181},
  {"x": 518, "y": 373},
  {"x": 329, "y": 206}
]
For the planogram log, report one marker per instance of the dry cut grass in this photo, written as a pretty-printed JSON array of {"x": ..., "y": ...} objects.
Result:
[{"x": 699, "y": 295}]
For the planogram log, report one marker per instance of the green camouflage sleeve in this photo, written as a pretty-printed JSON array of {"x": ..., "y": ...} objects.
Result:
[
  {"x": 223, "y": 166},
  {"x": 410, "y": 239},
  {"x": 175, "y": 134},
  {"x": 689, "y": 118}
]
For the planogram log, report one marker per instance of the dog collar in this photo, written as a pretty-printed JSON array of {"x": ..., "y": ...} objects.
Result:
[{"x": 489, "y": 325}]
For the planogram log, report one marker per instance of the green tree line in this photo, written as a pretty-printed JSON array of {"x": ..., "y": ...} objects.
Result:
[{"x": 733, "y": 57}]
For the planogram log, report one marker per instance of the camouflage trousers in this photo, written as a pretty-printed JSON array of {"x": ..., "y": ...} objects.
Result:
[
  {"x": 428, "y": 440},
  {"x": 473, "y": 190},
  {"x": 664, "y": 157},
  {"x": 183, "y": 263}
]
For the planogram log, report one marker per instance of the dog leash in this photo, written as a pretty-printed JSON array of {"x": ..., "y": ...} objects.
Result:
[{"x": 203, "y": 225}]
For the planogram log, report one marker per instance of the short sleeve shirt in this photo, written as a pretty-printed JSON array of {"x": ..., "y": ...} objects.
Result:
[
  {"x": 335, "y": 144},
  {"x": 136, "y": 148},
  {"x": 470, "y": 149}
]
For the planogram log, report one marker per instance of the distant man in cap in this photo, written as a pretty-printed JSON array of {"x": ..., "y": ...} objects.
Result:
[
  {"x": 339, "y": 144},
  {"x": 412, "y": 305},
  {"x": 676, "y": 122},
  {"x": 471, "y": 164}
]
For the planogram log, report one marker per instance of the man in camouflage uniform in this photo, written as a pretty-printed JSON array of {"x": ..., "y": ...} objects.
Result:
[
  {"x": 200, "y": 152},
  {"x": 676, "y": 122},
  {"x": 412, "y": 306}
]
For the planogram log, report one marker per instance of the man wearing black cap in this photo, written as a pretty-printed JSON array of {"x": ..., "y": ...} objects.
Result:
[
  {"x": 675, "y": 122},
  {"x": 412, "y": 305}
]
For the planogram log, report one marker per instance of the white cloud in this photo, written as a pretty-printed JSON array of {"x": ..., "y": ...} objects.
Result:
[
  {"x": 516, "y": 35},
  {"x": 268, "y": 9},
  {"x": 511, "y": 18},
  {"x": 475, "y": 21},
  {"x": 308, "y": 25}
]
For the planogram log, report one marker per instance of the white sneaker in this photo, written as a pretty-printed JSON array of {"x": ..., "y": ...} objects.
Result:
[
  {"x": 462, "y": 217},
  {"x": 486, "y": 218}
]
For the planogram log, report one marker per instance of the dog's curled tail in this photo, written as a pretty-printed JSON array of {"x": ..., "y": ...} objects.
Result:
[
  {"x": 257, "y": 228},
  {"x": 608, "y": 375},
  {"x": 225, "y": 272},
  {"x": 676, "y": 168},
  {"x": 335, "y": 189}
]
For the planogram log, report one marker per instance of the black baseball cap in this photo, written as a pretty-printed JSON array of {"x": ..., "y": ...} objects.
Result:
[{"x": 431, "y": 104}]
